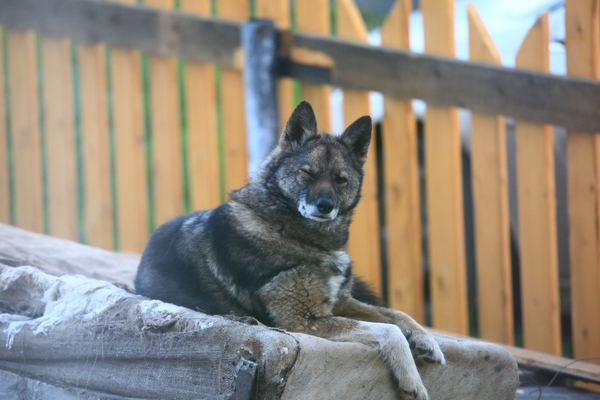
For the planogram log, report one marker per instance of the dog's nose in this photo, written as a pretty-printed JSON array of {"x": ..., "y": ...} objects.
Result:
[{"x": 324, "y": 205}]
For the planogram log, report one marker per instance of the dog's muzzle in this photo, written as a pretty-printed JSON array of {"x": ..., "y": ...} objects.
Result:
[{"x": 322, "y": 210}]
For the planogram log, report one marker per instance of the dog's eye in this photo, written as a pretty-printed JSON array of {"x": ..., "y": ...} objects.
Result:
[
  {"x": 340, "y": 180},
  {"x": 307, "y": 173}
]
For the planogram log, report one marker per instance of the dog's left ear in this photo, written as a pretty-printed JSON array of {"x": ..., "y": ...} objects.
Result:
[
  {"x": 357, "y": 137},
  {"x": 300, "y": 127}
]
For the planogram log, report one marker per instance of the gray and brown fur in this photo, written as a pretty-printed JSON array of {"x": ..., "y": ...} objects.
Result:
[{"x": 277, "y": 251}]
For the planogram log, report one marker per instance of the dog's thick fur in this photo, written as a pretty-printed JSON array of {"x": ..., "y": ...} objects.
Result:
[{"x": 277, "y": 251}]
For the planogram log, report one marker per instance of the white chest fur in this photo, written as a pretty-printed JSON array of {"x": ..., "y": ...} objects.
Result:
[{"x": 342, "y": 262}]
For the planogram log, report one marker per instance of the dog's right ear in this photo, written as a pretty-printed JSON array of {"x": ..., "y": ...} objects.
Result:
[{"x": 300, "y": 127}]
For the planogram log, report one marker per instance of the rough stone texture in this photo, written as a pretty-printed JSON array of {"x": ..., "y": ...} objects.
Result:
[{"x": 90, "y": 335}]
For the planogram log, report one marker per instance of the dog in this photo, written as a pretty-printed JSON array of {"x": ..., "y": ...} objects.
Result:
[{"x": 277, "y": 251}]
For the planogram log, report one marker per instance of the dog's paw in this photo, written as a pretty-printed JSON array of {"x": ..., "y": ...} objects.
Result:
[
  {"x": 424, "y": 345},
  {"x": 413, "y": 388}
]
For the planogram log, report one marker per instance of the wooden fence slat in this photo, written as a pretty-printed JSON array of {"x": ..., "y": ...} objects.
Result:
[
  {"x": 401, "y": 174},
  {"x": 203, "y": 154},
  {"x": 279, "y": 11},
  {"x": 25, "y": 132},
  {"x": 4, "y": 174},
  {"x": 313, "y": 16},
  {"x": 537, "y": 212},
  {"x": 233, "y": 107},
  {"x": 444, "y": 186},
  {"x": 167, "y": 175},
  {"x": 363, "y": 244},
  {"x": 59, "y": 137},
  {"x": 98, "y": 209},
  {"x": 583, "y": 177},
  {"x": 132, "y": 195},
  {"x": 490, "y": 200}
]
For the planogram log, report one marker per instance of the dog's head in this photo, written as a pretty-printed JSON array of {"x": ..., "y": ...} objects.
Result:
[{"x": 319, "y": 172}]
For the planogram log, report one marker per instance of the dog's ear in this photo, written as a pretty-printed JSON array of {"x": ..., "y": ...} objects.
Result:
[
  {"x": 301, "y": 126},
  {"x": 357, "y": 137}
]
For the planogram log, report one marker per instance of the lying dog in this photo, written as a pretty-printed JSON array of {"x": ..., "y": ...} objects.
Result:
[{"x": 277, "y": 251}]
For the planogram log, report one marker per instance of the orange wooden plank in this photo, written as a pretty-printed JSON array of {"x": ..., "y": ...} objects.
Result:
[
  {"x": 583, "y": 166},
  {"x": 401, "y": 171},
  {"x": 98, "y": 212},
  {"x": 444, "y": 186},
  {"x": 233, "y": 107},
  {"x": 313, "y": 16},
  {"x": 537, "y": 212},
  {"x": 166, "y": 135},
  {"x": 363, "y": 244},
  {"x": 4, "y": 174},
  {"x": 203, "y": 161},
  {"x": 279, "y": 11},
  {"x": 60, "y": 138},
  {"x": 132, "y": 196},
  {"x": 25, "y": 132},
  {"x": 490, "y": 200}
]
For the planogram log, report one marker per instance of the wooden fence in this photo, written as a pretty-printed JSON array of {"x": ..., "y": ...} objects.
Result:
[{"x": 126, "y": 116}]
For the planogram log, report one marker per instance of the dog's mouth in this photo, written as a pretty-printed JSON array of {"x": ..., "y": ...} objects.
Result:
[{"x": 310, "y": 211}]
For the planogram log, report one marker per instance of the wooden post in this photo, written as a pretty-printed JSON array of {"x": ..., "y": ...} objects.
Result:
[
  {"x": 583, "y": 168},
  {"x": 258, "y": 39},
  {"x": 232, "y": 107},
  {"x": 443, "y": 169},
  {"x": 313, "y": 16},
  {"x": 490, "y": 201},
  {"x": 279, "y": 12},
  {"x": 98, "y": 208},
  {"x": 132, "y": 195},
  {"x": 25, "y": 131},
  {"x": 401, "y": 174},
  {"x": 201, "y": 100},
  {"x": 537, "y": 212},
  {"x": 364, "y": 241},
  {"x": 166, "y": 173},
  {"x": 59, "y": 137}
]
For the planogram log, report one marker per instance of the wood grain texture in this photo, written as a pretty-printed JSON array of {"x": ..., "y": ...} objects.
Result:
[
  {"x": 98, "y": 208},
  {"x": 132, "y": 195},
  {"x": 233, "y": 107},
  {"x": 167, "y": 173},
  {"x": 313, "y": 16},
  {"x": 279, "y": 12},
  {"x": 59, "y": 122},
  {"x": 537, "y": 213},
  {"x": 203, "y": 154},
  {"x": 25, "y": 132},
  {"x": 4, "y": 170},
  {"x": 444, "y": 187},
  {"x": 401, "y": 174},
  {"x": 583, "y": 169},
  {"x": 364, "y": 242},
  {"x": 490, "y": 201}
]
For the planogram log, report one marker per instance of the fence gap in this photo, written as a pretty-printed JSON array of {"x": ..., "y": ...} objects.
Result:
[
  {"x": 4, "y": 156},
  {"x": 401, "y": 185},
  {"x": 130, "y": 149},
  {"x": 446, "y": 231},
  {"x": 490, "y": 200},
  {"x": 364, "y": 241},
  {"x": 582, "y": 20},
  {"x": 313, "y": 16},
  {"x": 167, "y": 175},
  {"x": 537, "y": 212},
  {"x": 232, "y": 107}
]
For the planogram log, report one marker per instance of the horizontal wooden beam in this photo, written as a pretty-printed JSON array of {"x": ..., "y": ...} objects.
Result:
[{"x": 523, "y": 94}]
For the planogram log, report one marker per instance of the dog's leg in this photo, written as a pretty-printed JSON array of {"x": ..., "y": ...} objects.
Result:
[
  {"x": 420, "y": 341},
  {"x": 386, "y": 338}
]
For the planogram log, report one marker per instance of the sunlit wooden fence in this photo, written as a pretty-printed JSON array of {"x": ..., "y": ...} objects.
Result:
[{"x": 101, "y": 143}]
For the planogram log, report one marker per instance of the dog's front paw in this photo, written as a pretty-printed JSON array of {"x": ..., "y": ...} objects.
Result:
[
  {"x": 412, "y": 386},
  {"x": 424, "y": 345}
]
